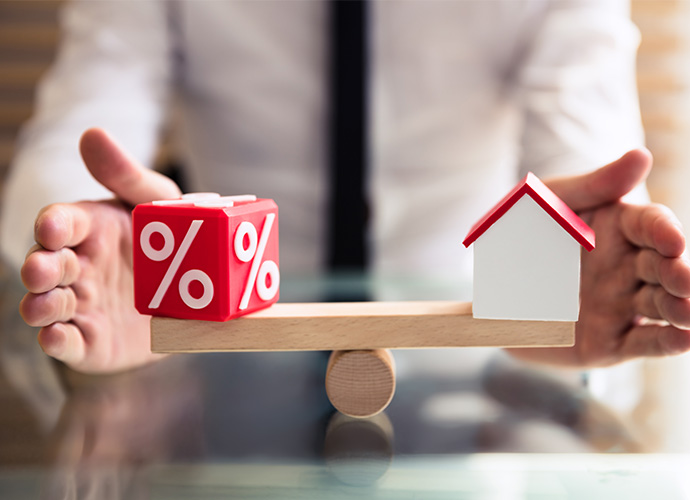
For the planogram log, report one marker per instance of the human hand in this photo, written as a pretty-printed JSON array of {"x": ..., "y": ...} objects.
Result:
[
  {"x": 635, "y": 284},
  {"x": 79, "y": 275}
]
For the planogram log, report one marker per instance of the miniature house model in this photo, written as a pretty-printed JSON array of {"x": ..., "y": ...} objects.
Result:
[{"x": 527, "y": 256}]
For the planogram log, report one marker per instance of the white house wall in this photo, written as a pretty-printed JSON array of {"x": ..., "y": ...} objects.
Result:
[{"x": 526, "y": 266}]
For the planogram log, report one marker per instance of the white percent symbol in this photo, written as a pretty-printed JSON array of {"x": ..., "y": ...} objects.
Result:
[
  {"x": 187, "y": 278},
  {"x": 255, "y": 252}
]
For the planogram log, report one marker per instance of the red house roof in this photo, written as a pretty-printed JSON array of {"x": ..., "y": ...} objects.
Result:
[{"x": 552, "y": 204}]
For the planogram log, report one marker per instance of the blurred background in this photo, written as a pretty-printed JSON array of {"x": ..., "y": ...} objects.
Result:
[
  {"x": 29, "y": 35},
  {"x": 663, "y": 77}
]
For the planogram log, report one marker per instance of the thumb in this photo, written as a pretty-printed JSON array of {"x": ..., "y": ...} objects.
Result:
[
  {"x": 605, "y": 185},
  {"x": 110, "y": 165}
]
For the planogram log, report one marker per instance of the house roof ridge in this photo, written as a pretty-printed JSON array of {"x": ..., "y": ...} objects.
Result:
[{"x": 547, "y": 200}]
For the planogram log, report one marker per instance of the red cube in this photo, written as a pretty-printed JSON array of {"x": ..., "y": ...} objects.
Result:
[{"x": 205, "y": 256}]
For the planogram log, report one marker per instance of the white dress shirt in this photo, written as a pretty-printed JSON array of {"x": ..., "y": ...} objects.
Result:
[{"x": 466, "y": 97}]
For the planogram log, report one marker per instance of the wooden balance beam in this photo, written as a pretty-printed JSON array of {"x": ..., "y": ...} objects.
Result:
[
  {"x": 336, "y": 326},
  {"x": 360, "y": 379}
]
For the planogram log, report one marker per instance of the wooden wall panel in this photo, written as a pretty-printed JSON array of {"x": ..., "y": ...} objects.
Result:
[
  {"x": 28, "y": 37},
  {"x": 664, "y": 85}
]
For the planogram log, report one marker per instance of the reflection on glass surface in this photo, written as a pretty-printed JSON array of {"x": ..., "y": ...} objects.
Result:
[
  {"x": 259, "y": 425},
  {"x": 358, "y": 451},
  {"x": 110, "y": 423}
]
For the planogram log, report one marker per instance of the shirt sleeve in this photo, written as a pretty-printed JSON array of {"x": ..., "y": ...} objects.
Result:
[
  {"x": 581, "y": 111},
  {"x": 577, "y": 87},
  {"x": 113, "y": 70}
]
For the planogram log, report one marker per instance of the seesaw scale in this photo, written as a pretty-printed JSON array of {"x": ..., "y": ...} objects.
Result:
[{"x": 356, "y": 326}]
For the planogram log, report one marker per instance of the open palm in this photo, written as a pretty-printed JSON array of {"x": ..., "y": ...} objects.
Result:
[
  {"x": 79, "y": 275},
  {"x": 635, "y": 285}
]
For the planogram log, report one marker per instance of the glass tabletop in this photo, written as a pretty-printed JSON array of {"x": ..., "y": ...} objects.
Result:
[{"x": 464, "y": 423}]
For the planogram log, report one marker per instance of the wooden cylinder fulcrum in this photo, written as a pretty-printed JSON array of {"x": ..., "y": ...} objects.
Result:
[{"x": 360, "y": 383}]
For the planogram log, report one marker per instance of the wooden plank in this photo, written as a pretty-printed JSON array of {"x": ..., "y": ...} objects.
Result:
[
  {"x": 33, "y": 7},
  {"x": 661, "y": 44},
  {"x": 28, "y": 36},
  {"x": 654, "y": 81},
  {"x": 14, "y": 114},
  {"x": 356, "y": 325},
  {"x": 655, "y": 8},
  {"x": 20, "y": 75},
  {"x": 6, "y": 150}
]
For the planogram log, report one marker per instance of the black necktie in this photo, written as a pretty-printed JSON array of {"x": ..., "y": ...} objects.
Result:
[{"x": 348, "y": 134}]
